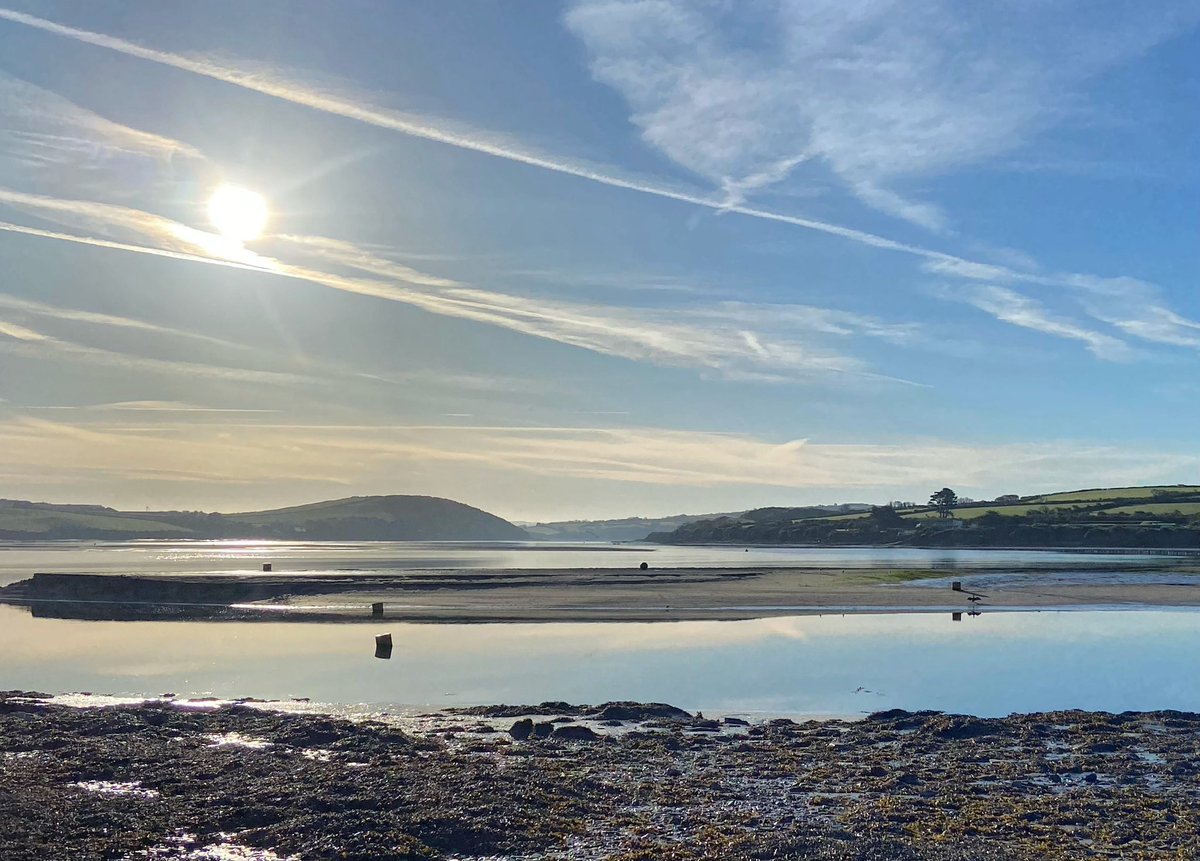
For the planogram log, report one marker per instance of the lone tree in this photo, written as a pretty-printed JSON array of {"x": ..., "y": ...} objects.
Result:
[{"x": 944, "y": 501}]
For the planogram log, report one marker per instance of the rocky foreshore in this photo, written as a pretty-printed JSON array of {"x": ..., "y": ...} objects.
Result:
[{"x": 159, "y": 780}]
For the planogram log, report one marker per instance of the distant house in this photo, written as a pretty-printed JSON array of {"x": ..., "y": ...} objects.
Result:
[{"x": 1008, "y": 499}]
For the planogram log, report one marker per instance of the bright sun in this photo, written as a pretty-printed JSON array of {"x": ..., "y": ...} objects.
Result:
[{"x": 238, "y": 213}]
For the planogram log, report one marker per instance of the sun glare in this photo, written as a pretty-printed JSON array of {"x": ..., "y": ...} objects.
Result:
[{"x": 238, "y": 213}]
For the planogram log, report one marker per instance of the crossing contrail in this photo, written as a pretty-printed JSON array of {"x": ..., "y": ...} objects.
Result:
[{"x": 420, "y": 128}]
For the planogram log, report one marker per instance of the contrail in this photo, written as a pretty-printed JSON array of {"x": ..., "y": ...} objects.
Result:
[
  {"x": 414, "y": 127},
  {"x": 138, "y": 249}
]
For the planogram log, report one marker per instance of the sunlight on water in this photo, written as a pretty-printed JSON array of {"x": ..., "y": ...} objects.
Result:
[
  {"x": 22, "y": 559},
  {"x": 992, "y": 664}
]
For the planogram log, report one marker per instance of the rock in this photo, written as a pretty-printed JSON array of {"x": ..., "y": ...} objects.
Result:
[
  {"x": 639, "y": 711},
  {"x": 543, "y": 729},
  {"x": 521, "y": 730},
  {"x": 733, "y": 721},
  {"x": 574, "y": 732}
]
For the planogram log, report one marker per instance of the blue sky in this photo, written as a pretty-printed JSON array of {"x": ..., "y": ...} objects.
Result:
[{"x": 599, "y": 257}]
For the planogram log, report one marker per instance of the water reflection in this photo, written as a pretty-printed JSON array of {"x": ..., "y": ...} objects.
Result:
[
  {"x": 21, "y": 559},
  {"x": 383, "y": 646},
  {"x": 804, "y": 664}
]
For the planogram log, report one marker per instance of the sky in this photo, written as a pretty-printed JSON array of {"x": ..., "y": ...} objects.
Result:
[{"x": 597, "y": 258}]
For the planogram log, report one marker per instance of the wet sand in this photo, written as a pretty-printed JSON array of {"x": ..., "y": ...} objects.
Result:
[
  {"x": 572, "y": 594},
  {"x": 619, "y": 782}
]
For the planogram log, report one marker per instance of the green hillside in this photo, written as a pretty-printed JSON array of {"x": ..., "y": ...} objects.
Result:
[
  {"x": 397, "y": 518},
  {"x": 1117, "y": 493},
  {"x": 359, "y": 518},
  {"x": 1161, "y": 516},
  {"x": 49, "y": 523}
]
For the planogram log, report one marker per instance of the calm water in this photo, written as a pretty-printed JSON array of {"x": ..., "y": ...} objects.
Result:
[
  {"x": 993, "y": 664},
  {"x": 21, "y": 559}
]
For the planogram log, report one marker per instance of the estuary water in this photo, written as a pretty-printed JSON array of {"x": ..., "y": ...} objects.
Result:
[
  {"x": 19, "y": 560},
  {"x": 991, "y": 664}
]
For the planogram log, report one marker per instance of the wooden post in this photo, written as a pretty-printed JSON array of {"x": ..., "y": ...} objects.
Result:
[
  {"x": 377, "y": 609},
  {"x": 266, "y": 566},
  {"x": 957, "y": 617},
  {"x": 956, "y": 585}
]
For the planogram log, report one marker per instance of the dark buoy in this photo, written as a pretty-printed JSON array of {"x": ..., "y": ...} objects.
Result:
[
  {"x": 383, "y": 646},
  {"x": 644, "y": 566},
  {"x": 266, "y": 566},
  {"x": 377, "y": 609}
]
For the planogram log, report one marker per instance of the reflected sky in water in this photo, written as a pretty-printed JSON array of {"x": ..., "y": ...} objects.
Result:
[
  {"x": 21, "y": 559},
  {"x": 990, "y": 665}
]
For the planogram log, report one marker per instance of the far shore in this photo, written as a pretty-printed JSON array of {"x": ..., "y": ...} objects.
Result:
[{"x": 586, "y": 594}]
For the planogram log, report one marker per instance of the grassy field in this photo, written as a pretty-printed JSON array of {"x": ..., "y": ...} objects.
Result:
[
  {"x": 41, "y": 521},
  {"x": 963, "y": 513},
  {"x": 1115, "y": 493},
  {"x": 1153, "y": 508},
  {"x": 979, "y": 511}
]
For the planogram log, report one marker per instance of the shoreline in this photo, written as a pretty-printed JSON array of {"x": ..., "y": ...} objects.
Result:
[{"x": 615, "y": 782}]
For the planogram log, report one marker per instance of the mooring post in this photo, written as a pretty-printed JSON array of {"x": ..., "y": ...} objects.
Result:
[{"x": 383, "y": 646}]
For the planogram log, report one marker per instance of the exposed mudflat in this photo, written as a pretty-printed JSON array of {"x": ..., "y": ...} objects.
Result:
[
  {"x": 586, "y": 594},
  {"x": 614, "y": 781}
]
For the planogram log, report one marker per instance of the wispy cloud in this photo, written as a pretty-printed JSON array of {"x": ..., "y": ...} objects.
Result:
[
  {"x": 963, "y": 113},
  {"x": 1012, "y": 307},
  {"x": 55, "y": 312},
  {"x": 49, "y": 142},
  {"x": 23, "y": 341},
  {"x": 150, "y": 407},
  {"x": 655, "y": 335},
  {"x": 327, "y": 457},
  {"x": 1134, "y": 307},
  {"x": 274, "y": 84},
  {"x": 878, "y": 93}
]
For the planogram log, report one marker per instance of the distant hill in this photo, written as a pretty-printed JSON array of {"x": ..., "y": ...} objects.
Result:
[
  {"x": 758, "y": 526},
  {"x": 356, "y": 518},
  {"x": 622, "y": 529},
  {"x": 1166, "y": 516},
  {"x": 640, "y": 528}
]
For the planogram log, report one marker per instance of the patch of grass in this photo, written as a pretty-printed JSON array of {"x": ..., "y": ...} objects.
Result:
[
  {"x": 978, "y": 511},
  {"x": 1154, "y": 508},
  {"x": 1115, "y": 493}
]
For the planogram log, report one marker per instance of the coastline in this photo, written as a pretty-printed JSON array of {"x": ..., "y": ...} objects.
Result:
[{"x": 616, "y": 782}]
